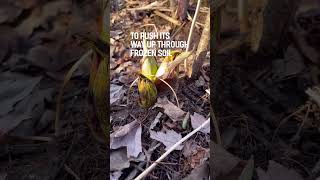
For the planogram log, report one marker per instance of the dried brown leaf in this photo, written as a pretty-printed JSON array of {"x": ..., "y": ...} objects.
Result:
[
  {"x": 128, "y": 136},
  {"x": 173, "y": 111},
  {"x": 168, "y": 138}
]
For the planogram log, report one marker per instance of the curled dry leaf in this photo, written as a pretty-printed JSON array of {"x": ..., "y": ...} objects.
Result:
[
  {"x": 168, "y": 138},
  {"x": 173, "y": 111},
  {"x": 128, "y": 136},
  {"x": 119, "y": 159},
  {"x": 197, "y": 120}
]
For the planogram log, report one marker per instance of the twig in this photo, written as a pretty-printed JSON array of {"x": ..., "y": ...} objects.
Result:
[
  {"x": 170, "y": 19},
  {"x": 191, "y": 19},
  {"x": 150, "y": 168},
  {"x": 154, "y": 5},
  {"x": 153, "y": 25},
  {"x": 191, "y": 31},
  {"x": 177, "y": 31}
]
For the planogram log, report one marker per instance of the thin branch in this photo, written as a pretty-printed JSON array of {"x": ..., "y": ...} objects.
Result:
[
  {"x": 150, "y": 168},
  {"x": 191, "y": 31},
  {"x": 170, "y": 19}
]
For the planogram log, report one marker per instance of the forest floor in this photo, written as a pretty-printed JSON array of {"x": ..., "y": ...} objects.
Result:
[{"x": 150, "y": 132}]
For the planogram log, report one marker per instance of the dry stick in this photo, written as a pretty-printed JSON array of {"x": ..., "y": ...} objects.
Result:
[
  {"x": 197, "y": 23},
  {"x": 170, "y": 19},
  {"x": 191, "y": 32},
  {"x": 150, "y": 168},
  {"x": 154, "y": 5}
]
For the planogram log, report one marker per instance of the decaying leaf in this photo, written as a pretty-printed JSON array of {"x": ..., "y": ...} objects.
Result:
[
  {"x": 173, "y": 111},
  {"x": 14, "y": 88},
  {"x": 168, "y": 138},
  {"x": 119, "y": 160},
  {"x": 199, "y": 157},
  {"x": 197, "y": 120},
  {"x": 116, "y": 93},
  {"x": 128, "y": 136},
  {"x": 277, "y": 172},
  {"x": 189, "y": 148}
]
